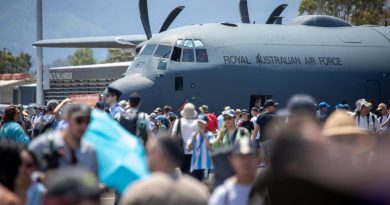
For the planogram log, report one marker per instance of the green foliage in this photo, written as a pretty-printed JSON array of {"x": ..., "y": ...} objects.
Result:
[
  {"x": 357, "y": 12},
  {"x": 10, "y": 63},
  {"x": 115, "y": 55},
  {"x": 82, "y": 56}
]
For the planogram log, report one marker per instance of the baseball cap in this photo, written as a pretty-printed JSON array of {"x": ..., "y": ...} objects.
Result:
[
  {"x": 269, "y": 103},
  {"x": 202, "y": 118},
  {"x": 229, "y": 113},
  {"x": 244, "y": 146},
  {"x": 157, "y": 110},
  {"x": 204, "y": 108},
  {"x": 244, "y": 111},
  {"x": 114, "y": 91},
  {"x": 381, "y": 106},
  {"x": 77, "y": 110},
  {"x": 323, "y": 105},
  {"x": 339, "y": 107}
]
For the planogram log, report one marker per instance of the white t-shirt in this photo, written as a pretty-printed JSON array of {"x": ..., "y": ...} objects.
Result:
[
  {"x": 188, "y": 128},
  {"x": 230, "y": 193},
  {"x": 368, "y": 124},
  {"x": 253, "y": 120}
]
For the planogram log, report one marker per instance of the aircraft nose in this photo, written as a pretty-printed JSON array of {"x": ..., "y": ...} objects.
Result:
[{"x": 131, "y": 83}]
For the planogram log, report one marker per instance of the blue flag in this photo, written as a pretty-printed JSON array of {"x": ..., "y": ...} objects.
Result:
[{"x": 121, "y": 155}]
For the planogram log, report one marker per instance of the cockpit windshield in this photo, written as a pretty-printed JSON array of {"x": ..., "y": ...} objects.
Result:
[
  {"x": 148, "y": 49},
  {"x": 163, "y": 51},
  {"x": 190, "y": 50}
]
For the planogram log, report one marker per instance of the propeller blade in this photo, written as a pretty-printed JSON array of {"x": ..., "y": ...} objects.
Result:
[
  {"x": 143, "y": 11},
  {"x": 171, "y": 17},
  {"x": 275, "y": 15},
  {"x": 244, "y": 13}
]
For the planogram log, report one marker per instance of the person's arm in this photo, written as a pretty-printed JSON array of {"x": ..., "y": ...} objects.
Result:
[
  {"x": 190, "y": 145},
  {"x": 20, "y": 135},
  {"x": 206, "y": 139},
  {"x": 255, "y": 131},
  {"x": 60, "y": 106}
]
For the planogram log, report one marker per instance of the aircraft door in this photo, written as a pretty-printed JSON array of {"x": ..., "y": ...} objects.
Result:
[
  {"x": 373, "y": 91},
  {"x": 258, "y": 100}
]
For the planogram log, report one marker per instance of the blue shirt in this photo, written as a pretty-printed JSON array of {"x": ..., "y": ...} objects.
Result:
[
  {"x": 201, "y": 157},
  {"x": 115, "y": 109},
  {"x": 35, "y": 194},
  {"x": 12, "y": 131}
]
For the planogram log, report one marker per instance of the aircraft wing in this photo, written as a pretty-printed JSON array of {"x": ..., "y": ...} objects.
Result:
[{"x": 126, "y": 41}]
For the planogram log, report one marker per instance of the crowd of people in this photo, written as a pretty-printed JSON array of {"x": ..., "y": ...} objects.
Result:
[{"x": 303, "y": 153}]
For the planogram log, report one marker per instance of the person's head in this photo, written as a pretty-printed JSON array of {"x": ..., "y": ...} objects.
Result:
[
  {"x": 123, "y": 104},
  {"x": 302, "y": 104},
  {"x": 78, "y": 118},
  {"x": 188, "y": 111},
  {"x": 71, "y": 186},
  {"x": 382, "y": 108},
  {"x": 344, "y": 138},
  {"x": 159, "y": 120},
  {"x": 51, "y": 106},
  {"x": 339, "y": 107},
  {"x": 112, "y": 96},
  {"x": 244, "y": 158},
  {"x": 228, "y": 118},
  {"x": 134, "y": 100},
  {"x": 254, "y": 111},
  {"x": 158, "y": 111},
  {"x": 167, "y": 109},
  {"x": 363, "y": 107},
  {"x": 11, "y": 114},
  {"x": 270, "y": 105},
  {"x": 172, "y": 116},
  {"x": 99, "y": 105},
  {"x": 347, "y": 107},
  {"x": 323, "y": 106},
  {"x": 204, "y": 109},
  {"x": 37, "y": 109},
  {"x": 163, "y": 154},
  {"x": 237, "y": 113},
  {"x": 245, "y": 114},
  {"x": 152, "y": 116},
  {"x": 29, "y": 163},
  {"x": 10, "y": 162},
  {"x": 202, "y": 121}
]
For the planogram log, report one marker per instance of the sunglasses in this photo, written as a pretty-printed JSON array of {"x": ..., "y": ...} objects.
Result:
[
  {"x": 82, "y": 120},
  {"x": 28, "y": 164}
]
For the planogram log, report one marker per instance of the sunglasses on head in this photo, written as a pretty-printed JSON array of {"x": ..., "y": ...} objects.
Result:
[
  {"x": 82, "y": 120},
  {"x": 227, "y": 118}
]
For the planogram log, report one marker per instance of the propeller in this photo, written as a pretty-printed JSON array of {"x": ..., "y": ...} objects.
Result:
[
  {"x": 144, "y": 15},
  {"x": 244, "y": 13},
  {"x": 171, "y": 17},
  {"x": 275, "y": 17}
]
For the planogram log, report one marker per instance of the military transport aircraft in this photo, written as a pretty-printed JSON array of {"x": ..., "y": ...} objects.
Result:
[{"x": 243, "y": 64}]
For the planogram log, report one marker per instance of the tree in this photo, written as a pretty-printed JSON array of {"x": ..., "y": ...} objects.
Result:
[
  {"x": 357, "y": 12},
  {"x": 61, "y": 62},
  {"x": 10, "y": 63},
  {"x": 82, "y": 56},
  {"x": 119, "y": 55}
]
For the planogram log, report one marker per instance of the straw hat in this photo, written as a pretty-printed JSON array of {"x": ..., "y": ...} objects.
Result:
[
  {"x": 340, "y": 123},
  {"x": 188, "y": 111}
]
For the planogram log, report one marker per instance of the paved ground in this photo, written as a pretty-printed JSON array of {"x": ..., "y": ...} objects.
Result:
[{"x": 107, "y": 198}]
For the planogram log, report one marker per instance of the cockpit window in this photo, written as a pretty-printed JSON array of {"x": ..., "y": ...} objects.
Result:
[
  {"x": 188, "y": 43},
  {"x": 163, "y": 51},
  {"x": 179, "y": 42},
  {"x": 188, "y": 55},
  {"x": 201, "y": 56},
  {"x": 198, "y": 43},
  {"x": 148, "y": 50}
]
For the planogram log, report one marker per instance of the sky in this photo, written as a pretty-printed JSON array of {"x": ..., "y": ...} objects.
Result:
[{"x": 75, "y": 18}]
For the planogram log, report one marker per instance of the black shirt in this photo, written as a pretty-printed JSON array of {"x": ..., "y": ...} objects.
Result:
[
  {"x": 247, "y": 124},
  {"x": 263, "y": 120}
]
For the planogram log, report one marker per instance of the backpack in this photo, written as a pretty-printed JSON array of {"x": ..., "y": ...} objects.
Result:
[
  {"x": 135, "y": 125},
  {"x": 44, "y": 124}
]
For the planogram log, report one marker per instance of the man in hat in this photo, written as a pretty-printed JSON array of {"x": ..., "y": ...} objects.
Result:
[
  {"x": 322, "y": 112},
  {"x": 263, "y": 120},
  {"x": 384, "y": 119},
  {"x": 200, "y": 146},
  {"x": 364, "y": 118},
  {"x": 212, "y": 125},
  {"x": 346, "y": 141},
  {"x": 112, "y": 96},
  {"x": 245, "y": 122},
  {"x": 67, "y": 148},
  {"x": 244, "y": 160},
  {"x": 183, "y": 130}
]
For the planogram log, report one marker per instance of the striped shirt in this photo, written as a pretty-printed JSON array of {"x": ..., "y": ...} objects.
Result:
[{"x": 201, "y": 156}]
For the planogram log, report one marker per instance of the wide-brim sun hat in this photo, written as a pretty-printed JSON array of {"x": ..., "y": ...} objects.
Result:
[{"x": 189, "y": 111}]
